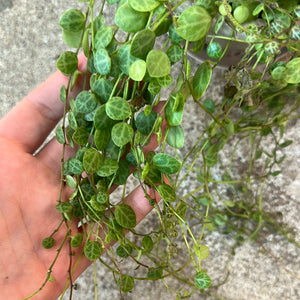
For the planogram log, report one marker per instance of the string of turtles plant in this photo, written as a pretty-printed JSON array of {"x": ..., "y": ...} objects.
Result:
[{"x": 113, "y": 119}]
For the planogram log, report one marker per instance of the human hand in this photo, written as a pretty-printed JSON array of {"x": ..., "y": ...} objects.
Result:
[{"x": 29, "y": 190}]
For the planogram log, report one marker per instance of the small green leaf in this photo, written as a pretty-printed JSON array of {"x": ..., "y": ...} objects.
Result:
[
  {"x": 125, "y": 59},
  {"x": 144, "y": 124},
  {"x": 48, "y": 242},
  {"x": 202, "y": 280},
  {"x": 201, "y": 79},
  {"x": 80, "y": 136},
  {"x": 103, "y": 88},
  {"x": 154, "y": 87},
  {"x": 158, "y": 63},
  {"x": 102, "y": 197},
  {"x": 76, "y": 240},
  {"x": 126, "y": 283},
  {"x": 193, "y": 23},
  {"x": 72, "y": 38},
  {"x": 165, "y": 81},
  {"x": 125, "y": 216},
  {"x": 64, "y": 207},
  {"x": 201, "y": 251},
  {"x": 166, "y": 192},
  {"x": 124, "y": 251},
  {"x": 73, "y": 166},
  {"x": 92, "y": 161},
  {"x": 117, "y": 108},
  {"x": 175, "y": 53},
  {"x": 130, "y": 20},
  {"x": 72, "y": 20},
  {"x": 292, "y": 74},
  {"x": 174, "y": 109},
  {"x": 142, "y": 43},
  {"x": 175, "y": 137},
  {"x": 166, "y": 163},
  {"x": 285, "y": 144},
  {"x": 92, "y": 250},
  {"x": 102, "y": 61},
  {"x": 137, "y": 70},
  {"x": 102, "y": 138},
  {"x": 109, "y": 167},
  {"x": 67, "y": 63},
  {"x": 181, "y": 209},
  {"x": 72, "y": 120},
  {"x": 122, "y": 173},
  {"x": 60, "y": 135},
  {"x": 103, "y": 37},
  {"x": 155, "y": 273},
  {"x": 147, "y": 243},
  {"x": 209, "y": 105},
  {"x": 121, "y": 134},
  {"x": 144, "y": 5},
  {"x": 85, "y": 102},
  {"x": 101, "y": 119},
  {"x": 71, "y": 182}
]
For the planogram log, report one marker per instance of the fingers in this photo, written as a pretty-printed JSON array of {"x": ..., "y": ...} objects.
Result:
[{"x": 30, "y": 122}]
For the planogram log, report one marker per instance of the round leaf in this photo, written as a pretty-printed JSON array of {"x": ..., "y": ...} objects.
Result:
[
  {"x": 122, "y": 173},
  {"x": 158, "y": 63},
  {"x": 109, "y": 167},
  {"x": 103, "y": 88},
  {"x": 201, "y": 79},
  {"x": 125, "y": 216},
  {"x": 72, "y": 38},
  {"x": 193, "y": 23},
  {"x": 92, "y": 161},
  {"x": 103, "y": 37},
  {"x": 175, "y": 53},
  {"x": 76, "y": 240},
  {"x": 174, "y": 110},
  {"x": 166, "y": 192},
  {"x": 67, "y": 63},
  {"x": 126, "y": 283},
  {"x": 142, "y": 43},
  {"x": 202, "y": 280},
  {"x": 102, "y": 138},
  {"x": 48, "y": 242},
  {"x": 121, "y": 134},
  {"x": 80, "y": 136},
  {"x": 92, "y": 250},
  {"x": 117, "y": 108},
  {"x": 101, "y": 119},
  {"x": 147, "y": 243},
  {"x": 143, "y": 123},
  {"x": 102, "y": 61},
  {"x": 72, "y": 20},
  {"x": 130, "y": 20},
  {"x": 292, "y": 74},
  {"x": 85, "y": 102},
  {"x": 125, "y": 59},
  {"x": 73, "y": 166},
  {"x": 175, "y": 137},
  {"x": 166, "y": 163},
  {"x": 144, "y": 5},
  {"x": 137, "y": 70}
]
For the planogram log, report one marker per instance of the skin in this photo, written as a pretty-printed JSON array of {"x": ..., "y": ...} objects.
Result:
[{"x": 29, "y": 189}]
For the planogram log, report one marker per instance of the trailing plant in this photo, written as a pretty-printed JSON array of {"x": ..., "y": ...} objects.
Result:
[{"x": 112, "y": 121}]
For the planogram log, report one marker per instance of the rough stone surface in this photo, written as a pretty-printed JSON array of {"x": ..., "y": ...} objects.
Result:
[{"x": 30, "y": 44}]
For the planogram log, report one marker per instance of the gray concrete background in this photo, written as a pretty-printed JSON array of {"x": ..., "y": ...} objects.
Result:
[{"x": 30, "y": 43}]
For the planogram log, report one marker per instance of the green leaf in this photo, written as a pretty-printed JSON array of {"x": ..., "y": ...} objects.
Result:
[
  {"x": 67, "y": 63},
  {"x": 73, "y": 166},
  {"x": 147, "y": 243},
  {"x": 97, "y": 206},
  {"x": 126, "y": 283},
  {"x": 175, "y": 137},
  {"x": 201, "y": 251},
  {"x": 130, "y": 20},
  {"x": 202, "y": 280},
  {"x": 92, "y": 161},
  {"x": 154, "y": 273},
  {"x": 101, "y": 119},
  {"x": 72, "y": 38},
  {"x": 154, "y": 87},
  {"x": 193, "y": 23},
  {"x": 72, "y": 120},
  {"x": 60, "y": 135},
  {"x": 181, "y": 209},
  {"x": 125, "y": 216},
  {"x": 124, "y": 251},
  {"x": 76, "y": 240},
  {"x": 72, "y": 20},
  {"x": 144, "y": 124},
  {"x": 64, "y": 207},
  {"x": 158, "y": 63},
  {"x": 117, "y": 108},
  {"x": 121, "y": 134},
  {"x": 175, "y": 53},
  {"x": 285, "y": 144},
  {"x": 122, "y": 173},
  {"x": 142, "y": 43},
  {"x": 81, "y": 136},
  {"x": 292, "y": 74},
  {"x": 174, "y": 109},
  {"x": 48, "y": 242},
  {"x": 144, "y": 5},
  {"x": 103, "y": 88},
  {"x": 109, "y": 167},
  {"x": 85, "y": 102},
  {"x": 102, "y": 61},
  {"x": 71, "y": 182},
  {"x": 165, "y": 81},
  {"x": 125, "y": 59},
  {"x": 201, "y": 79},
  {"x": 137, "y": 70},
  {"x": 92, "y": 250},
  {"x": 86, "y": 43},
  {"x": 209, "y": 105},
  {"x": 102, "y": 138},
  {"x": 103, "y": 37},
  {"x": 166, "y": 163},
  {"x": 166, "y": 192}
]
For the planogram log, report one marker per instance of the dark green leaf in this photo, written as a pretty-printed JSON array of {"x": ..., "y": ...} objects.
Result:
[
  {"x": 101, "y": 119},
  {"x": 72, "y": 38},
  {"x": 60, "y": 135},
  {"x": 166, "y": 163},
  {"x": 209, "y": 105},
  {"x": 144, "y": 124},
  {"x": 85, "y": 102},
  {"x": 285, "y": 144},
  {"x": 103, "y": 88},
  {"x": 48, "y": 242},
  {"x": 125, "y": 59},
  {"x": 109, "y": 167},
  {"x": 67, "y": 63},
  {"x": 126, "y": 283},
  {"x": 201, "y": 79},
  {"x": 92, "y": 250},
  {"x": 117, "y": 108},
  {"x": 142, "y": 43},
  {"x": 72, "y": 20},
  {"x": 175, "y": 53},
  {"x": 64, "y": 207},
  {"x": 102, "y": 138},
  {"x": 147, "y": 243},
  {"x": 122, "y": 173},
  {"x": 124, "y": 251},
  {"x": 155, "y": 273},
  {"x": 125, "y": 216}
]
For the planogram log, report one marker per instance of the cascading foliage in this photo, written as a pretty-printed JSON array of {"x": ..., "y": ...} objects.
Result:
[{"x": 113, "y": 119}]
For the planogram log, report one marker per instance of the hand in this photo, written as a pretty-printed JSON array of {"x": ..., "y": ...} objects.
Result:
[{"x": 29, "y": 190}]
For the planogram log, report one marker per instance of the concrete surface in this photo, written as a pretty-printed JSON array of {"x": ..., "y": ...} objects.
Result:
[{"x": 30, "y": 43}]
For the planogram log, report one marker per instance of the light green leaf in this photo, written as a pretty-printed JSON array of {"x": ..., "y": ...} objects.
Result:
[
  {"x": 117, "y": 108},
  {"x": 109, "y": 167},
  {"x": 67, "y": 63},
  {"x": 92, "y": 161},
  {"x": 174, "y": 109},
  {"x": 92, "y": 250},
  {"x": 102, "y": 61},
  {"x": 102, "y": 197},
  {"x": 80, "y": 136},
  {"x": 125, "y": 216},
  {"x": 202, "y": 280},
  {"x": 73, "y": 166},
  {"x": 166, "y": 163},
  {"x": 165, "y": 81},
  {"x": 166, "y": 192},
  {"x": 125, "y": 59},
  {"x": 292, "y": 74},
  {"x": 72, "y": 20},
  {"x": 76, "y": 240},
  {"x": 175, "y": 137},
  {"x": 201, "y": 79},
  {"x": 103, "y": 37},
  {"x": 142, "y": 43},
  {"x": 130, "y": 20},
  {"x": 158, "y": 63},
  {"x": 72, "y": 38},
  {"x": 201, "y": 251},
  {"x": 193, "y": 23},
  {"x": 85, "y": 102},
  {"x": 137, "y": 70},
  {"x": 144, "y": 5},
  {"x": 71, "y": 182},
  {"x": 60, "y": 135},
  {"x": 64, "y": 207},
  {"x": 121, "y": 134}
]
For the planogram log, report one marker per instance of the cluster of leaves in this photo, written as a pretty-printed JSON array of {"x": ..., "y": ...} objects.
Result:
[{"x": 112, "y": 121}]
